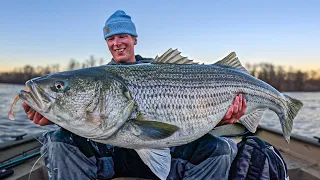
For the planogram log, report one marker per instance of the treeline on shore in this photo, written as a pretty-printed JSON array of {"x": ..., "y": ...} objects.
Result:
[
  {"x": 277, "y": 76},
  {"x": 286, "y": 80},
  {"x": 21, "y": 74}
]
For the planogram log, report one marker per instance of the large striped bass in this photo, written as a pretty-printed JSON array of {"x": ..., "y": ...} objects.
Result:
[{"x": 150, "y": 107}]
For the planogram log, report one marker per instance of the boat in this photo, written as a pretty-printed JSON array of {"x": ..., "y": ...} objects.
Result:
[
  {"x": 20, "y": 158},
  {"x": 302, "y": 155}
]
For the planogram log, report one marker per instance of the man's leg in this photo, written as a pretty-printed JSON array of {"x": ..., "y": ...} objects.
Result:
[
  {"x": 127, "y": 163},
  {"x": 68, "y": 156},
  {"x": 209, "y": 157}
]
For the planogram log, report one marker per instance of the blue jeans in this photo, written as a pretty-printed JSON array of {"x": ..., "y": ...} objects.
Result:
[{"x": 68, "y": 156}]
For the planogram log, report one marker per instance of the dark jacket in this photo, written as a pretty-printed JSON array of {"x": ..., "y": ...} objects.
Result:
[{"x": 139, "y": 60}]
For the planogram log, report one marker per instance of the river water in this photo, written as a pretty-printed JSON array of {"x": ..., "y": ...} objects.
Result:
[{"x": 307, "y": 122}]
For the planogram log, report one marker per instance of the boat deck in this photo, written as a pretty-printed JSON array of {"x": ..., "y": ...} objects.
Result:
[{"x": 301, "y": 155}]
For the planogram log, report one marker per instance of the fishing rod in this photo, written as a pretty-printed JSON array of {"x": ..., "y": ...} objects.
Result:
[
  {"x": 7, "y": 163},
  {"x": 19, "y": 161},
  {"x": 4, "y": 168},
  {"x": 23, "y": 153}
]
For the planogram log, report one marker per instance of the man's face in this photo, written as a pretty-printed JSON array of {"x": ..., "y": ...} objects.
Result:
[{"x": 121, "y": 47}]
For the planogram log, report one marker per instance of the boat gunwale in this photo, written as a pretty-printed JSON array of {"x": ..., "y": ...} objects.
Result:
[
  {"x": 292, "y": 137},
  {"x": 13, "y": 143}
]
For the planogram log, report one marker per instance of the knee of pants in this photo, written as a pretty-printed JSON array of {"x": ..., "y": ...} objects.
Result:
[
  {"x": 56, "y": 141},
  {"x": 233, "y": 149},
  {"x": 223, "y": 146},
  {"x": 208, "y": 147},
  {"x": 59, "y": 135},
  {"x": 216, "y": 148}
]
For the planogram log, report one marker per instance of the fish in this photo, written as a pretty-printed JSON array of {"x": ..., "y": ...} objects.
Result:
[{"x": 150, "y": 107}]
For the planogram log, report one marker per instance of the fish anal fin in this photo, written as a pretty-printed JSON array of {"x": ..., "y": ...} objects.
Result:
[
  {"x": 251, "y": 120},
  {"x": 231, "y": 61},
  {"x": 158, "y": 160},
  {"x": 152, "y": 130}
]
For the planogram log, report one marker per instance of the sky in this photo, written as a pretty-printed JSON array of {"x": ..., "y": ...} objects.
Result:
[{"x": 285, "y": 33}]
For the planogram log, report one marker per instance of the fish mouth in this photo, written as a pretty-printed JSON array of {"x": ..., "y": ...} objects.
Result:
[{"x": 35, "y": 97}]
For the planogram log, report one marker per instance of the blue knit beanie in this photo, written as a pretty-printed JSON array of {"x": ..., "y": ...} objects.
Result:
[{"x": 119, "y": 23}]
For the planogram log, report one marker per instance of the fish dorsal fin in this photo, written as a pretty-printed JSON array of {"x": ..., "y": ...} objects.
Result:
[
  {"x": 231, "y": 61},
  {"x": 172, "y": 57}
]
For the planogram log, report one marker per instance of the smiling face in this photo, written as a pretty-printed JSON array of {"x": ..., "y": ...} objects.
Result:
[{"x": 121, "y": 47}]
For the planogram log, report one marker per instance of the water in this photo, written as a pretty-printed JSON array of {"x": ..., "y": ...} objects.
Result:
[
  {"x": 307, "y": 122},
  {"x": 22, "y": 124}
]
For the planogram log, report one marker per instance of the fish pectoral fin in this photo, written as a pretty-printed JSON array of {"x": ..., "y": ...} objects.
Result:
[
  {"x": 158, "y": 160},
  {"x": 251, "y": 121},
  {"x": 231, "y": 61},
  {"x": 152, "y": 130},
  {"x": 141, "y": 117}
]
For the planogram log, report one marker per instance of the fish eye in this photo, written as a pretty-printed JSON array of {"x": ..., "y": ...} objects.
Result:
[{"x": 59, "y": 85}]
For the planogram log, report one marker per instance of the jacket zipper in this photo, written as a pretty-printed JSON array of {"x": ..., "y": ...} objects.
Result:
[{"x": 285, "y": 173}]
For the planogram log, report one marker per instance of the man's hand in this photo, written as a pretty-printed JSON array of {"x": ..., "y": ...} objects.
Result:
[
  {"x": 235, "y": 111},
  {"x": 34, "y": 116}
]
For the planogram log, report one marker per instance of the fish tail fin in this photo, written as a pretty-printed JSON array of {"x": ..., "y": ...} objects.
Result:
[{"x": 294, "y": 105}]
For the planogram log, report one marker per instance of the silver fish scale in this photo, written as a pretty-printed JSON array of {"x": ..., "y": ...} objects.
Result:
[
  {"x": 77, "y": 103},
  {"x": 194, "y": 98}
]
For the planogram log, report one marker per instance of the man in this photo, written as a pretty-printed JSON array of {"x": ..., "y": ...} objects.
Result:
[{"x": 68, "y": 156}]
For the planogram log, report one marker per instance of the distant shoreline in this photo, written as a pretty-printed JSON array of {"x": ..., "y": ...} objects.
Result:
[{"x": 283, "y": 80}]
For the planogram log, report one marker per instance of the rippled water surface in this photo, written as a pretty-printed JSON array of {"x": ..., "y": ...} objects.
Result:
[
  {"x": 21, "y": 125},
  {"x": 307, "y": 122}
]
